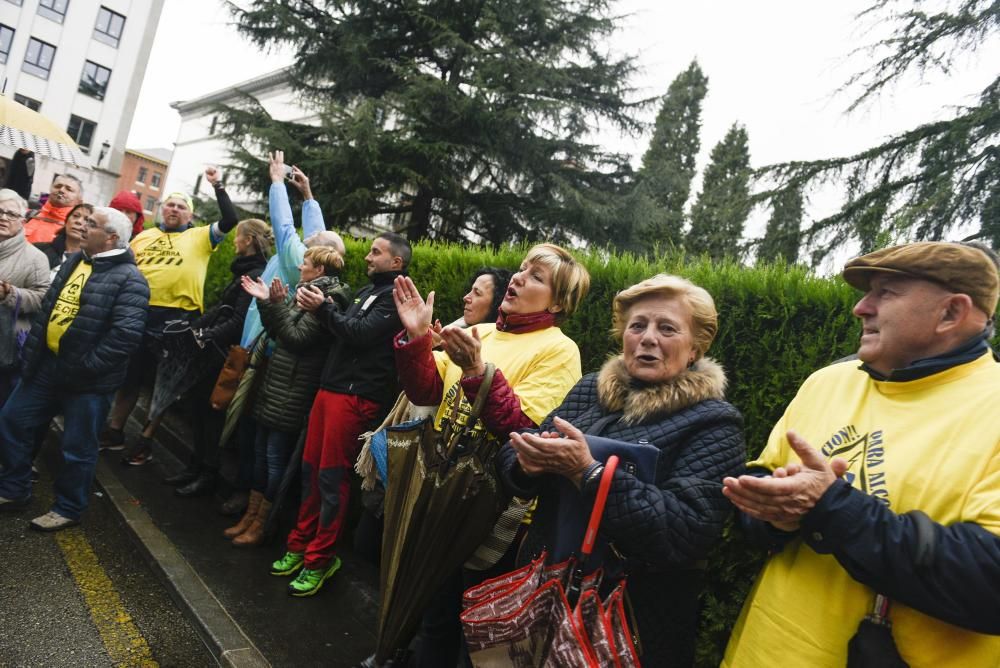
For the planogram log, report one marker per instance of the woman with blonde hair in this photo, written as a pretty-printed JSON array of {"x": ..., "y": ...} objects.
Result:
[
  {"x": 220, "y": 327},
  {"x": 536, "y": 365},
  {"x": 661, "y": 394},
  {"x": 291, "y": 378}
]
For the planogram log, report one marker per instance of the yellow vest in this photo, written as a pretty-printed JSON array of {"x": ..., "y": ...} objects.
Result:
[
  {"x": 67, "y": 305},
  {"x": 175, "y": 265},
  {"x": 930, "y": 444}
]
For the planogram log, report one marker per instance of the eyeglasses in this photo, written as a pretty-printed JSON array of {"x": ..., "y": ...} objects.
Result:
[{"x": 9, "y": 215}]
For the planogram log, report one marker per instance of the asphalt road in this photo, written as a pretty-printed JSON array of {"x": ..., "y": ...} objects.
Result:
[{"x": 85, "y": 596}]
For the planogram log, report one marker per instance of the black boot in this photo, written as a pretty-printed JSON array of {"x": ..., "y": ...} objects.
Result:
[
  {"x": 186, "y": 475},
  {"x": 203, "y": 485}
]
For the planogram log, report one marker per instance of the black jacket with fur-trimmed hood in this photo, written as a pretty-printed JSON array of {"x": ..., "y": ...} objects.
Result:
[{"x": 665, "y": 528}]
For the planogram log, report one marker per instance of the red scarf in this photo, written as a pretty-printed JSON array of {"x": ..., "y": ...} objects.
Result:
[
  {"x": 46, "y": 224},
  {"x": 522, "y": 323}
]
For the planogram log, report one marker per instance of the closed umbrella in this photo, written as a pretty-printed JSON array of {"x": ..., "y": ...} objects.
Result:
[
  {"x": 441, "y": 502},
  {"x": 21, "y": 127}
]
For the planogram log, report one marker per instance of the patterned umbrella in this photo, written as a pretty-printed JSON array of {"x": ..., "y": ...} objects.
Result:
[{"x": 21, "y": 127}]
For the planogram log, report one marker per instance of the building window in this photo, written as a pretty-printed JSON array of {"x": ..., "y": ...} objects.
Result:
[
  {"x": 82, "y": 132},
  {"x": 109, "y": 27},
  {"x": 34, "y": 105},
  {"x": 6, "y": 37},
  {"x": 94, "y": 81},
  {"x": 141, "y": 176},
  {"x": 38, "y": 58},
  {"x": 150, "y": 203},
  {"x": 53, "y": 9},
  {"x": 155, "y": 183}
]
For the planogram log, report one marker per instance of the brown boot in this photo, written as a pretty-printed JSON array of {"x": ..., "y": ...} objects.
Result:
[
  {"x": 254, "y": 535},
  {"x": 256, "y": 498}
]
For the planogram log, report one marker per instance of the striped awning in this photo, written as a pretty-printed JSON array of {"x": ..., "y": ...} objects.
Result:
[{"x": 21, "y": 127}]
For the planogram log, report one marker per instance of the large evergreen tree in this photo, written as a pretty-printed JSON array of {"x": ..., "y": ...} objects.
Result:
[
  {"x": 722, "y": 207},
  {"x": 462, "y": 118},
  {"x": 923, "y": 183},
  {"x": 668, "y": 165},
  {"x": 781, "y": 238}
]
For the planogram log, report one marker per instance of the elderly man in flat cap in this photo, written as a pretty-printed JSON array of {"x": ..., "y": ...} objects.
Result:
[{"x": 878, "y": 493}]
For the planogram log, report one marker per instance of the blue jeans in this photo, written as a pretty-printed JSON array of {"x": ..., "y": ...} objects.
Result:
[
  {"x": 271, "y": 453},
  {"x": 30, "y": 407}
]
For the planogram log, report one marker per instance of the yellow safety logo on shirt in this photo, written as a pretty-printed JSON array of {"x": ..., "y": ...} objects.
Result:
[{"x": 160, "y": 251}]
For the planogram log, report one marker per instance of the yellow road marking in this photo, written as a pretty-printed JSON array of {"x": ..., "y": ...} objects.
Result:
[{"x": 121, "y": 638}]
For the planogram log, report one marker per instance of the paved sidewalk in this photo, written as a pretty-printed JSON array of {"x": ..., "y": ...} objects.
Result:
[{"x": 243, "y": 613}]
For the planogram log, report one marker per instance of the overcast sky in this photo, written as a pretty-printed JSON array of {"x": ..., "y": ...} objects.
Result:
[{"x": 772, "y": 65}]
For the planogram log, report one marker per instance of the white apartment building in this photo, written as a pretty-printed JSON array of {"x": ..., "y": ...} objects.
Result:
[
  {"x": 80, "y": 63},
  {"x": 199, "y": 145}
]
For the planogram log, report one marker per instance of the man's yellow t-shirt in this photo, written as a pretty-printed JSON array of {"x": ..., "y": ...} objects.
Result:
[
  {"x": 929, "y": 444},
  {"x": 175, "y": 265},
  {"x": 67, "y": 305}
]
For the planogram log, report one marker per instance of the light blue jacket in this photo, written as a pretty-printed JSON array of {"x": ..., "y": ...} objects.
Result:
[{"x": 290, "y": 250}]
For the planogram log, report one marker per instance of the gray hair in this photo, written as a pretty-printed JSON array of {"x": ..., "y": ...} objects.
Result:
[
  {"x": 116, "y": 222},
  {"x": 327, "y": 238},
  {"x": 70, "y": 177},
  {"x": 8, "y": 195}
]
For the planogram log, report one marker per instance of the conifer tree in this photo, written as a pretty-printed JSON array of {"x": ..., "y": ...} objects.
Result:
[
  {"x": 462, "y": 119},
  {"x": 781, "y": 238},
  {"x": 925, "y": 182},
  {"x": 722, "y": 207},
  {"x": 668, "y": 165}
]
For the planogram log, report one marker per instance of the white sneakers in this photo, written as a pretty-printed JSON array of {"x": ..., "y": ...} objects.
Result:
[{"x": 52, "y": 521}]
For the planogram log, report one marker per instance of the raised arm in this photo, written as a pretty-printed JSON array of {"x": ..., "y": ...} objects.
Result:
[{"x": 227, "y": 212}]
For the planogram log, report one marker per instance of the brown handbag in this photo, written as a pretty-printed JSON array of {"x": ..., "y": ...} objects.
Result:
[{"x": 229, "y": 378}]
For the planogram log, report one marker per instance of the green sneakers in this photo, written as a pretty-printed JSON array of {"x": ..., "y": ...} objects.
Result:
[
  {"x": 309, "y": 581},
  {"x": 288, "y": 564}
]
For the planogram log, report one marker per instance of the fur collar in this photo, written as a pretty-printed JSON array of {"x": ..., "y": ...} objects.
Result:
[{"x": 618, "y": 392}]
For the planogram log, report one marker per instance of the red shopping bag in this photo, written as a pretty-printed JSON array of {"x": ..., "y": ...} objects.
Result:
[{"x": 550, "y": 615}]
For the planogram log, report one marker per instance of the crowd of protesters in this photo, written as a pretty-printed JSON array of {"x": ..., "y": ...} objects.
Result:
[{"x": 876, "y": 493}]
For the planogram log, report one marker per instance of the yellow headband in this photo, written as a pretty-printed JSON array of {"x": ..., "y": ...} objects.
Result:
[{"x": 184, "y": 197}]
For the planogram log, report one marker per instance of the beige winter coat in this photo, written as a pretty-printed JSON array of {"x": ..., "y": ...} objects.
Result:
[{"x": 27, "y": 269}]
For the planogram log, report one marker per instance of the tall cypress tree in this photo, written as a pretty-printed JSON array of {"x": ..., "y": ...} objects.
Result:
[
  {"x": 781, "y": 238},
  {"x": 463, "y": 119},
  {"x": 722, "y": 207},
  {"x": 669, "y": 163}
]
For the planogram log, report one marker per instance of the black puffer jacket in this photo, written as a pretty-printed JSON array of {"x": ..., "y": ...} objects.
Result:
[
  {"x": 223, "y": 323},
  {"x": 292, "y": 375},
  {"x": 362, "y": 360},
  {"x": 663, "y": 529},
  {"x": 95, "y": 349}
]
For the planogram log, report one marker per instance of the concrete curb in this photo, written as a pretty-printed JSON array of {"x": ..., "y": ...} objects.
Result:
[{"x": 220, "y": 632}]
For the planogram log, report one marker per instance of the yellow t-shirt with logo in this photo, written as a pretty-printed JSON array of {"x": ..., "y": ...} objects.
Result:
[
  {"x": 175, "y": 265},
  {"x": 67, "y": 305},
  {"x": 541, "y": 367},
  {"x": 930, "y": 444}
]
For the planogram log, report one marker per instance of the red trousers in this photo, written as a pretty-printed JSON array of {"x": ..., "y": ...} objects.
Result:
[{"x": 332, "y": 446}]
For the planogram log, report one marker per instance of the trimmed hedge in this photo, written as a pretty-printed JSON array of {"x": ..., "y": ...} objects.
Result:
[{"x": 777, "y": 325}]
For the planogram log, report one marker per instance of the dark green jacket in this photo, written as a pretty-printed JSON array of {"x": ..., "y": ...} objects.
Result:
[{"x": 302, "y": 342}]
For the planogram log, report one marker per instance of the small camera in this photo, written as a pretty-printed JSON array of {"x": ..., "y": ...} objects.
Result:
[{"x": 288, "y": 172}]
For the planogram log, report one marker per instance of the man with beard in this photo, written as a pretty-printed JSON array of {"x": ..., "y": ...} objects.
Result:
[
  {"x": 357, "y": 385},
  {"x": 66, "y": 192},
  {"x": 174, "y": 259}
]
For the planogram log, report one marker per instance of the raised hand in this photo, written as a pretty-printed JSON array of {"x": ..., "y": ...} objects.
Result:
[
  {"x": 301, "y": 181},
  {"x": 212, "y": 175},
  {"x": 784, "y": 497},
  {"x": 565, "y": 452},
  {"x": 278, "y": 292},
  {"x": 276, "y": 166},
  {"x": 254, "y": 287},
  {"x": 415, "y": 314}
]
